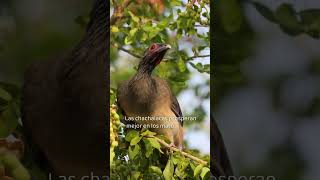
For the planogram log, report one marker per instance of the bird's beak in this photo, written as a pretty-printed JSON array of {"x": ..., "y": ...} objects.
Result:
[
  {"x": 160, "y": 52},
  {"x": 163, "y": 48},
  {"x": 167, "y": 46}
]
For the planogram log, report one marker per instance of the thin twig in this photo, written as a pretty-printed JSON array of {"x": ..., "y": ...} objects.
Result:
[
  {"x": 199, "y": 56},
  {"x": 129, "y": 52},
  {"x": 178, "y": 150}
]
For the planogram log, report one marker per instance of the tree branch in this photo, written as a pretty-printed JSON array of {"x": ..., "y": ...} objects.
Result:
[
  {"x": 166, "y": 145},
  {"x": 198, "y": 56},
  {"x": 129, "y": 52}
]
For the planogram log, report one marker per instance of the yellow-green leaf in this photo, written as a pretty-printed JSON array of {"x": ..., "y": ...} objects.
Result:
[
  {"x": 181, "y": 65},
  {"x": 131, "y": 134},
  {"x": 197, "y": 170},
  {"x": 168, "y": 170},
  {"x": 114, "y": 29},
  {"x": 204, "y": 172},
  {"x": 155, "y": 169},
  {"x": 134, "y": 17},
  {"x": 135, "y": 140}
]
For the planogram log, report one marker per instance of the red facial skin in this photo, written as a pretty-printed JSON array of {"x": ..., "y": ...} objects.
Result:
[{"x": 153, "y": 48}]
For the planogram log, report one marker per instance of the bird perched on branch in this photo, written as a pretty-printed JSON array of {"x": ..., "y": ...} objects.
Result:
[{"x": 149, "y": 99}]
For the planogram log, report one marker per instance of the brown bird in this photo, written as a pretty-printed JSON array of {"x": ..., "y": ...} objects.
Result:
[
  {"x": 64, "y": 105},
  {"x": 149, "y": 100}
]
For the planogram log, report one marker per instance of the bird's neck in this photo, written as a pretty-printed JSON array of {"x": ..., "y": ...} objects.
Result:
[
  {"x": 144, "y": 71},
  {"x": 142, "y": 87}
]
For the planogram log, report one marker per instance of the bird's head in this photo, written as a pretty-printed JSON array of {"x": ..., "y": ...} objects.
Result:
[{"x": 153, "y": 56}]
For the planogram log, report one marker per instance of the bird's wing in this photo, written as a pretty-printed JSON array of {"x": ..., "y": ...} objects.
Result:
[{"x": 175, "y": 107}]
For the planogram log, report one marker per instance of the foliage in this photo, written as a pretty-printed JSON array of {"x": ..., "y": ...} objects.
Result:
[
  {"x": 291, "y": 21},
  {"x": 135, "y": 25},
  {"x": 143, "y": 26},
  {"x": 235, "y": 40},
  {"x": 9, "y": 108},
  {"x": 140, "y": 155},
  {"x": 10, "y": 165}
]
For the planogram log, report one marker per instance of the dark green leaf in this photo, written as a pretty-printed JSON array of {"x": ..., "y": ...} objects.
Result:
[
  {"x": 288, "y": 20},
  {"x": 231, "y": 15},
  {"x": 265, "y": 11},
  {"x": 5, "y": 95},
  {"x": 8, "y": 121}
]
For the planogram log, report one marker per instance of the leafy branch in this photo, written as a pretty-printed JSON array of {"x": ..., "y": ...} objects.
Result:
[
  {"x": 139, "y": 56},
  {"x": 168, "y": 146}
]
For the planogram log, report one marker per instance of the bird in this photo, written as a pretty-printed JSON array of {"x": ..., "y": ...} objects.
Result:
[
  {"x": 64, "y": 104},
  {"x": 219, "y": 163},
  {"x": 149, "y": 99}
]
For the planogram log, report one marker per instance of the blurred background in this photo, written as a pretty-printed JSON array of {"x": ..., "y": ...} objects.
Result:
[
  {"x": 185, "y": 26},
  {"x": 267, "y": 86},
  {"x": 32, "y": 30}
]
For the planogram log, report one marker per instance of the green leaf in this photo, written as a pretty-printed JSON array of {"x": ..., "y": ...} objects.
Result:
[
  {"x": 197, "y": 171},
  {"x": 134, "y": 17},
  {"x": 310, "y": 16},
  {"x": 135, "y": 140},
  {"x": 182, "y": 165},
  {"x": 112, "y": 155},
  {"x": 154, "y": 143},
  {"x": 155, "y": 169},
  {"x": 168, "y": 170},
  {"x": 265, "y": 11},
  {"x": 149, "y": 148},
  {"x": 200, "y": 67},
  {"x": 128, "y": 40},
  {"x": 134, "y": 151},
  {"x": 147, "y": 132},
  {"x": 13, "y": 90},
  {"x": 131, "y": 134},
  {"x": 112, "y": 97},
  {"x": 175, "y": 3},
  {"x": 8, "y": 120},
  {"x": 288, "y": 20},
  {"x": 5, "y": 95},
  {"x": 114, "y": 29},
  {"x": 163, "y": 24},
  {"x": 133, "y": 31},
  {"x": 135, "y": 175},
  {"x": 311, "y": 21},
  {"x": 231, "y": 15},
  {"x": 204, "y": 172},
  {"x": 181, "y": 65}
]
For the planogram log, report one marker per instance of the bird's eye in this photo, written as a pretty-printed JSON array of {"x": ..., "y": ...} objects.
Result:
[{"x": 153, "y": 47}]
